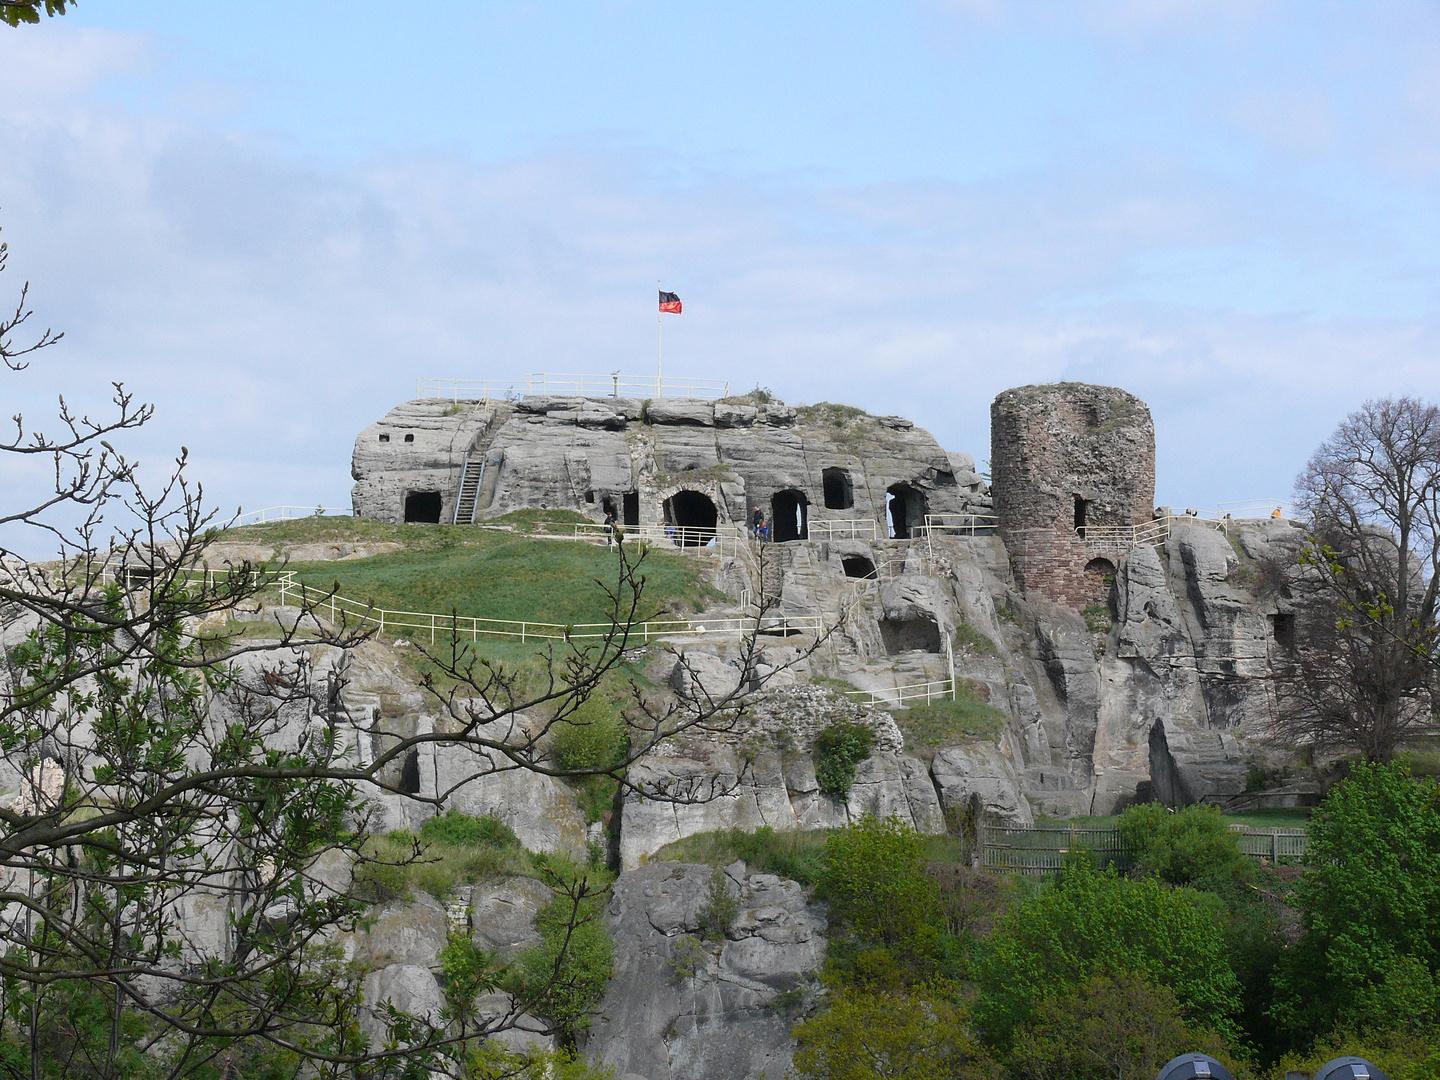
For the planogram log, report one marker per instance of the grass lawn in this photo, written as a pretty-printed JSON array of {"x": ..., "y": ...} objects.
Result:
[
  {"x": 484, "y": 573},
  {"x": 947, "y": 723}
]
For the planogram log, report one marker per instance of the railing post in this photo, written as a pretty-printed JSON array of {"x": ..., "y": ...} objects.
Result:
[{"x": 522, "y": 633}]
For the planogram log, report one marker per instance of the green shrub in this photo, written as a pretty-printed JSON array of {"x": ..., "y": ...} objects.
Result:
[
  {"x": 1109, "y": 1026},
  {"x": 1371, "y": 947},
  {"x": 875, "y": 882},
  {"x": 1193, "y": 846},
  {"x": 566, "y": 999},
  {"x": 1092, "y": 923},
  {"x": 838, "y": 749},
  {"x": 454, "y": 829},
  {"x": 592, "y": 737},
  {"x": 967, "y": 637},
  {"x": 719, "y": 910}
]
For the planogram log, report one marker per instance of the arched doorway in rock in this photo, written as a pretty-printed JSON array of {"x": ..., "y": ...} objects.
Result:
[
  {"x": 789, "y": 515},
  {"x": 693, "y": 516},
  {"x": 839, "y": 491},
  {"x": 423, "y": 506},
  {"x": 858, "y": 566},
  {"x": 1100, "y": 583},
  {"x": 905, "y": 510}
]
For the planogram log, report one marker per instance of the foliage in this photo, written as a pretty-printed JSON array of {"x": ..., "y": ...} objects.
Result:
[
  {"x": 591, "y": 736},
  {"x": 720, "y": 908},
  {"x": 1093, "y": 923},
  {"x": 563, "y": 978},
  {"x": 875, "y": 882},
  {"x": 1192, "y": 846},
  {"x": 454, "y": 829},
  {"x": 1110, "y": 1027},
  {"x": 491, "y": 1061},
  {"x": 946, "y": 723},
  {"x": 1371, "y": 946},
  {"x": 16, "y": 12},
  {"x": 1098, "y": 618},
  {"x": 1403, "y": 1053},
  {"x": 923, "y": 1035},
  {"x": 838, "y": 749}
]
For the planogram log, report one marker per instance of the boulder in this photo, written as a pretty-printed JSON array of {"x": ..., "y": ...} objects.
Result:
[
  {"x": 980, "y": 777},
  {"x": 501, "y": 915},
  {"x": 681, "y": 411},
  {"x": 407, "y": 987},
  {"x": 678, "y": 1007}
]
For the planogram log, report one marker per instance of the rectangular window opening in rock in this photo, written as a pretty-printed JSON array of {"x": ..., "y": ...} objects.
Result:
[
  {"x": 1082, "y": 511},
  {"x": 839, "y": 491},
  {"x": 1282, "y": 631}
]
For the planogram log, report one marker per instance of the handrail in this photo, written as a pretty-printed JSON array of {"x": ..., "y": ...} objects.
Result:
[
  {"x": 475, "y": 627},
  {"x": 283, "y": 513},
  {"x": 842, "y": 528},
  {"x": 724, "y": 540},
  {"x": 610, "y": 386}
]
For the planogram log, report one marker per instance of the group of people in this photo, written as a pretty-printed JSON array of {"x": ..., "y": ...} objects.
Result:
[{"x": 759, "y": 525}]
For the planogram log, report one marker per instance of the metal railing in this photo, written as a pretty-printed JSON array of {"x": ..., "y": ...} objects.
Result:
[
  {"x": 353, "y": 612},
  {"x": 1253, "y": 509},
  {"x": 723, "y": 540},
  {"x": 290, "y": 513},
  {"x": 842, "y": 529},
  {"x": 611, "y": 386}
]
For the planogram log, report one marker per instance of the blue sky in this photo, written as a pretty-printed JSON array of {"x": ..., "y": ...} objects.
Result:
[{"x": 271, "y": 218}]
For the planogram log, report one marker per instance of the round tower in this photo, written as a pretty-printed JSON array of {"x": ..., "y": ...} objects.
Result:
[{"x": 1072, "y": 471}]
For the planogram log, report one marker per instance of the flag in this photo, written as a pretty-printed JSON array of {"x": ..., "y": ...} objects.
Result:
[{"x": 670, "y": 302}]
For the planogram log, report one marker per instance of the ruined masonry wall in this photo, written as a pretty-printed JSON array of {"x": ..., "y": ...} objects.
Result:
[{"x": 1053, "y": 447}]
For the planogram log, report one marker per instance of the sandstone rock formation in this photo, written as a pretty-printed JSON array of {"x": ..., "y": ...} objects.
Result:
[{"x": 680, "y": 1007}]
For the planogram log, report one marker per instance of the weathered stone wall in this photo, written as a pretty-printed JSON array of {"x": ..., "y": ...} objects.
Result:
[
  {"x": 1065, "y": 458},
  {"x": 547, "y": 452}
]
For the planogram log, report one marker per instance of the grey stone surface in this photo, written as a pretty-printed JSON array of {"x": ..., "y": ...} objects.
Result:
[
  {"x": 501, "y": 914},
  {"x": 679, "y": 1008},
  {"x": 981, "y": 778}
]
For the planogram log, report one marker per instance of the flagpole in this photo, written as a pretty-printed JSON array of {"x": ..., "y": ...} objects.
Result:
[{"x": 659, "y": 346}]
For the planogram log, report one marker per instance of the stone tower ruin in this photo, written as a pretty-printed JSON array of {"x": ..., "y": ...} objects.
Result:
[{"x": 1073, "y": 472}]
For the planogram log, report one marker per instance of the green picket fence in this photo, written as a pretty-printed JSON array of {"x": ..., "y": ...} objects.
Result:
[{"x": 1044, "y": 848}]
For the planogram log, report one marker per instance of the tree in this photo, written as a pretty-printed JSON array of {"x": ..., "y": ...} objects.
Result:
[
  {"x": 1193, "y": 846},
  {"x": 866, "y": 1035},
  {"x": 1111, "y": 1027},
  {"x": 1362, "y": 673},
  {"x": 1370, "y": 954},
  {"x": 1093, "y": 923},
  {"x": 176, "y": 864},
  {"x": 16, "y": 12}
]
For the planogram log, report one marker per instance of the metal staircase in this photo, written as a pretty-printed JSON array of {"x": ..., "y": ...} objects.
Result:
[{"x": 472, "y": 474}]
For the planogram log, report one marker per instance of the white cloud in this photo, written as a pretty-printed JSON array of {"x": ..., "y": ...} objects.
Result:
[{"x": 273, "y": 307}]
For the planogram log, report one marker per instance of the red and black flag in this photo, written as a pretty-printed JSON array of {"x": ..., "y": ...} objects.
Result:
[{"x": 670, "y": 302}]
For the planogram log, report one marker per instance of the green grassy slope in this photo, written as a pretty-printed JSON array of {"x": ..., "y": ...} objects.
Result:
[{"x": 483, "y": 573}]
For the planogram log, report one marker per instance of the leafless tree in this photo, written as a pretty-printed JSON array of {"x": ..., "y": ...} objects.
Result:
[{"x": 1362, "y": 672}]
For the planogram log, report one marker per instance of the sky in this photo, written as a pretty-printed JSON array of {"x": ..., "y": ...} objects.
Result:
[{"x": 269, "y": 219}]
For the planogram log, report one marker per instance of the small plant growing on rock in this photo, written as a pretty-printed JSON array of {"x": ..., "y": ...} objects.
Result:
[
  {"x": 838, "y": 749},
  {"x": 720, "y": 909},
  {"x": 689, "y": 957}
]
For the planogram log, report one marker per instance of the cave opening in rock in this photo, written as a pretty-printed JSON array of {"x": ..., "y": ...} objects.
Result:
[
  {"x": 607, "y": 504},
  {"x": 909, "y": 635},
  {"x": 789, "y": 512},
  {"x": 1082, "y": 511},
  {"x": 839, "y": 492},
  {"x": 693, "y": 516},
  {"x": 905, "y": 509},
  {"x": 1282, "y": 630},
  {"x": 858, "y": 566},
  {"x": 423, "y": 507},
  {"x": 410, "y": 774},
  {"x": 631, "y": 501}
]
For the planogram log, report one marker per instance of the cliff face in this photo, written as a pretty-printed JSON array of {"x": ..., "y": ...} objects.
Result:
[{"x": 587, "y": 454}]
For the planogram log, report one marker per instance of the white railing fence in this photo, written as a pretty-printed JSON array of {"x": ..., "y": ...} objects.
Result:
[
  {"x": 842, "y": 529},
  {"x": 612, "y": 386},
  {"x": 290, "y": 513}
]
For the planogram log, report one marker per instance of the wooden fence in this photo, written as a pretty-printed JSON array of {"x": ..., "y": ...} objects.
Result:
[{"x": 1043, "y": 849}]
